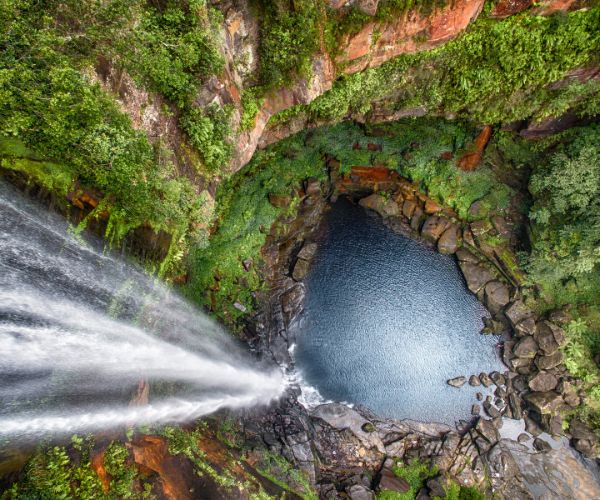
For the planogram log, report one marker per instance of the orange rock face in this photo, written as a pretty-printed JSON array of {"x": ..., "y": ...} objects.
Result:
[
  {"x": 469, "y": 161},
  {"x": 410, "y": 33},
  {"x": 505, "y": 8}
]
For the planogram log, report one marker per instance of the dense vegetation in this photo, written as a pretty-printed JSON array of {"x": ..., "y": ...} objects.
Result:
[
  {"x": 482, "y": 75},
  {"x": 64, "y": 131}
]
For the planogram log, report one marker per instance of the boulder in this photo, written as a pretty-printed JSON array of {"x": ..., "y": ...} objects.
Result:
[
  {"x": 475, "y": 410},
  {"x": 548, "y": 362},
  {"x": 545, "y": 402},
  {"x": 360, "y": 492},
  {"x": 579, "y": 430},
  {"x": 457, "y": 381},
  {"x": 434, "y": 227},
  {"x": 526, "y": 348},
  {"x": 391, "y": 209},
  {"x": 515, "y": 406},
  {"x": 541, "y": 445},
  {"x": 491, "y": 410},
  {"x": 498, "y": 378},
  {"x": 308, "y": 250},
  {"x": 450, "y": 240},
  {"x": 569, "y": 393},
  {"x": 525, "y": 327},
  {"x": 517, "y": 312},
  {"x": 549, "y": 337},
  {"x": 301, "y": 268},
  {"x": 417, "y": 219},
  {"x": 543, "y": 381},
  {"x": 374, "y": 202},
  {"x": 431, "y": 207},
  {"x": 480, "y": 227},
  {"x": 390, "y": 482},
  {"x": 475, "y": 275},
  {"x": 474, "y": 381},
  {"x": 497, "y": 295},
  {"x": 463, "y": 255},
  {"x": 532, "y": 427},
  {"x": 408, "y": 208},
  {"x": 487, "y": 430},
  {"x": 523, "y": 438},
  {"x": 485, "y": 379}
]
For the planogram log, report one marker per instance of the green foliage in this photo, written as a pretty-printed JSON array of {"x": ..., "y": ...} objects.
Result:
[
  {"x": 565, "y": 257},
  {"x": 279, "y": 471},
  {"x": 122, "y": 474},
  {"x": 289, "y": 37},
  {"x": 497, "y": 71},
  {"x": 251, "y": 104},
  {"x": 244, "y": 217},
  {"x": 173, "y": 49},
  {"x": 47, "y": 104},
  {"x": 182, "y": 442},
  {"x": 415, "y": 473},
  {"x": 52, "y": 475},
  {"x": 455, "y": 491},
  {"x": 208, "y": 131}
]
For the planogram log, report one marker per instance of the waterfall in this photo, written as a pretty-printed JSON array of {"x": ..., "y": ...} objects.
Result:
[{"x": 81, "y": 329}]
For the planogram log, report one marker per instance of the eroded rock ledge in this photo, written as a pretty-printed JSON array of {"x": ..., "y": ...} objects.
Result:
[{"x": 352, "y": 451}]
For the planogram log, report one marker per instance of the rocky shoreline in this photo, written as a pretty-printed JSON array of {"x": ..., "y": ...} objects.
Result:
[{"x": 350, "y": 451}]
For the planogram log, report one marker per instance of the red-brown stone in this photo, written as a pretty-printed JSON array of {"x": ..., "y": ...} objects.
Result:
[
  {"x": 506, "y": 8},
  {"x": 469, "y": 161}
]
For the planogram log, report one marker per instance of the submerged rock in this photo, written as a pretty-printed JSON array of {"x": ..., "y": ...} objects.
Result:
[{"x": 457, "y": 381}]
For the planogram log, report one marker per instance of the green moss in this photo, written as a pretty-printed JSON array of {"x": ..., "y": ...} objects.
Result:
[
  {"x": 288, "y": 477},
  {"x": 251, "y": 104}
]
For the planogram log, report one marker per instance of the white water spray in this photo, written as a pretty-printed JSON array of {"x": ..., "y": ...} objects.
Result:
[{"x": 80, "y": 329}]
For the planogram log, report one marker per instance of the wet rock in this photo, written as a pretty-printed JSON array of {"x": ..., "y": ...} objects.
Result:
[
  {"x": 408, "y": 208},
  {"x": 548, "y": 362},
  {"x": 475, "y": 275},
  {"x": 580, "y": 430},
  {"x": 487, "y": 430},
  {"x": 541, "y": 445},
  {"x": 449, "y": 242},
  {"x": 491, "y": 410},
  {"x": 437, "y": 487},
  {"x": 373, "y": 202},
  {"x": 569, "y": 393},
  {"x": 308, "y": 250},
  {"x": 526, "y": 347},
  {"x": 498, "y": 378},
  {"x": 457, "y": 381},
  {"x": 583, "y": 446},
  {"x": 497, "y": 295},
  {"x": 481, "y": 227},
  {"x": 390, "y": 482},
  {"x": 543, "y": 381},
  {"x": 417, "y": 219},
  {"x": 549, "y": 337},
  {"x": 545, "y": 402},
  {"x": 301, "y": 269},
  {"x": 515, "y": 406},
  {"x": 360, "y": 492},
  {"x": 431, "y": 207},
  {"x": 475, "y": 410},
  {"x": 523, "y": 438},
  {"x": 479, "y": 396},
  {"x": 463, "y": 255},
  {"x": 517, "y": 312},
  {"x": 500, "y": 392},
  {"x": 485, "y": 379},
  {"x": 433, "y": 227},
  {"x": 474, "y": 381},
  {"x": 525, "y": 327},
  {"x": 531, "y": 426}
]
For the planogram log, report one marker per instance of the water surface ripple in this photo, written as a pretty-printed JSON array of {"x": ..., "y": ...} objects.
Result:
[{"x": 388, "y": 321}]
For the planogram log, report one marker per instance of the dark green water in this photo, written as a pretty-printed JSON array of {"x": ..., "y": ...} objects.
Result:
[{"x": 388, "y": 321}]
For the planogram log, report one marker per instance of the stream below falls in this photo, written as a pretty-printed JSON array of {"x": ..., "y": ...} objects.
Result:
[{"x": 387, "y": 321}]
